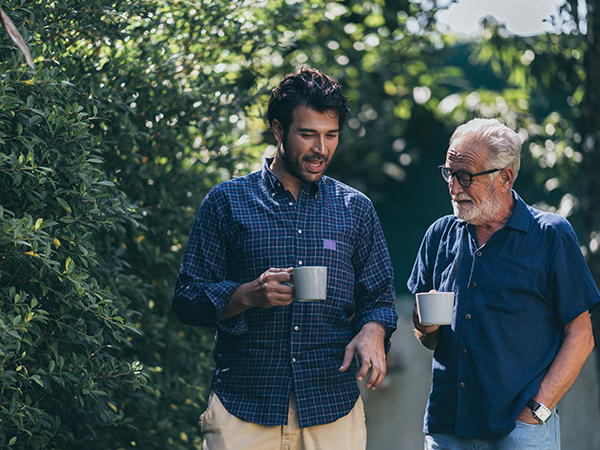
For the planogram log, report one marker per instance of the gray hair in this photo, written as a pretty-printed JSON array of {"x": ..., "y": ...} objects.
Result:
[{"x": 502, "y": 142}]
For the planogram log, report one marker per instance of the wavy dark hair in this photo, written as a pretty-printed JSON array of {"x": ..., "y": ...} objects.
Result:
[{"x": 307, "y": 87}]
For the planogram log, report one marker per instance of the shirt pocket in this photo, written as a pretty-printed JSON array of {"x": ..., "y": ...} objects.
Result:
[{"x": 510, "y": 289}]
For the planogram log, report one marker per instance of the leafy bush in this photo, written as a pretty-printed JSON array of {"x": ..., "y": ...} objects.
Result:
[
  {"x": 134, "y": 110},
  {"x": 63, "y": 322}
]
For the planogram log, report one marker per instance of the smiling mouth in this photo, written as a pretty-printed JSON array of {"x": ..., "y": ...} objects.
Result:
[{"x": 315, "y": 165}]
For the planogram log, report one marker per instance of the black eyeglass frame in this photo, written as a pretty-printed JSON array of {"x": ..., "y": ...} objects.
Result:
[{"x": 452, "y": 174}]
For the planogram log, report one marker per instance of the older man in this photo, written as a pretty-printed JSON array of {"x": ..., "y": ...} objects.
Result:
[{"x": 521, "y": 329}]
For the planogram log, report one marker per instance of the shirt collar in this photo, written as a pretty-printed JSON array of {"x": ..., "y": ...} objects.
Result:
[
  {"x": 274, "y": 185},
  {"x": 521, "y": 217},
  {"x": 269, "y": 178}
]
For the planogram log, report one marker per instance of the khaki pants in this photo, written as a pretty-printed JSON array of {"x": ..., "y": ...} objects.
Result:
[{"x": 223, "y": 431}]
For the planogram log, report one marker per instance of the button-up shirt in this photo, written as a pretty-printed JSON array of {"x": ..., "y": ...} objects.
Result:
[
  {"x": 250, "y": 224},
  {"x": 514, "y": 296}
]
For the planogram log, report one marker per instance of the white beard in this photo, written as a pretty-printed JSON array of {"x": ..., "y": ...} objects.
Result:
[{"x": 487, "y": 211}]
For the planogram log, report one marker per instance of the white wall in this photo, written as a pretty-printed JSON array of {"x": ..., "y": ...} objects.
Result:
[{"x": 395, "y": 410}]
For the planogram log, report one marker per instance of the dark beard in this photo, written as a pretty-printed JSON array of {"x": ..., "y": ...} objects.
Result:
[{"x": 293, "y": 166}]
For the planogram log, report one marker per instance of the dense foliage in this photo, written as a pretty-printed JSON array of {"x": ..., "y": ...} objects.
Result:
[
  {"x": 65, "y": 308},
  {"x": 135, "y": 109}
]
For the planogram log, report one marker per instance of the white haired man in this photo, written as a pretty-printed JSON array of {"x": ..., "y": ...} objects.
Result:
[{"x": 521, "y": 329}]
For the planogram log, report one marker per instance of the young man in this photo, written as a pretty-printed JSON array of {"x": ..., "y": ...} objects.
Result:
[
  {"x": 521, "y": 329},
  {"x": 285, "y": 374}
]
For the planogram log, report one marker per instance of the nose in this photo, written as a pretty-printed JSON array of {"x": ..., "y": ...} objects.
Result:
[
  {"x": 319, "y": 145},
  {"x": 455, "y": 187}
]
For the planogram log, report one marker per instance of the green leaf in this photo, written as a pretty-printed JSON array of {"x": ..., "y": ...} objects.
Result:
[
  {"x": 69, "y": 265},
  {"x": 105, "y": 183},
  {"x": 38, "y": 380},
  {"x": 37, "y": 206},
  {"x": 64, "y": 204},
  {"x": 35, "y": 120}
]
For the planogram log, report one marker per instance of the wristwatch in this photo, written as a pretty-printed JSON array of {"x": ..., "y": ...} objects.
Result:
[{"x": 540, "y": 411}]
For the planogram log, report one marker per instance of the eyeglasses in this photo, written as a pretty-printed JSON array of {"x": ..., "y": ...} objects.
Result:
[{"x": 464, "y": 178}]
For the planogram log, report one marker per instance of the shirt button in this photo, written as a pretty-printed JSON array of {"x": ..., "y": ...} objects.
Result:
[
  {"x": 479, "y": 253},
  {"x": 473, "y": 285},
  {"x": 291, "y": 204},
  {"x": 272, "y": 194},
  {"x": 299, "y": 231},
  {"x": 468, "y": 316},
  {"x": 293, "y": 359},
  {"x": 464, "y": 351},
  {"x": 296, "y": 328},
  {"x": 299, "y": 263},
  {"x": 462, "y": 385}
]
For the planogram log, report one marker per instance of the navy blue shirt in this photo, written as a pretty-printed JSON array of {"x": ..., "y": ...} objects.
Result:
[
  {"x": 250, "y": 224},
  {"x": 514, "y": 296}
]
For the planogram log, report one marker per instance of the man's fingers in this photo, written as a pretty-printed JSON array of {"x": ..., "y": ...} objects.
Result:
[
  {"x": 272, "y": 288},
  {"x": 280, "y": 270},
  {"x": 282, "y": 299},
  {"x": 347, "y": 359},
  {"x": 364, "y": 368},
  {"x": 376, "y": 378},
  {"x": 278, "y": 275}
]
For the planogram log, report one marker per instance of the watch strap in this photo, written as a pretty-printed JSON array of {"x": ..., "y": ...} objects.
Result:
[{"x": 533, "y": 405}]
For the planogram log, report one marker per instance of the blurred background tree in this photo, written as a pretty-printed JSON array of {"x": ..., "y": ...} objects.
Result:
[{"x": 136, "y": 109}]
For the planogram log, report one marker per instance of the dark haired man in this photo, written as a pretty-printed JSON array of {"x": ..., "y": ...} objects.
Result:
[
  {"x": 285, "y": 374},
  {"x": 521, "y": 329}
]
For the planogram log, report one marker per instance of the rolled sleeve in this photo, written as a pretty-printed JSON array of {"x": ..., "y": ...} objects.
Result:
[
  {"x": 202, "y": 294},
  {"x": 374, "y": 287}
]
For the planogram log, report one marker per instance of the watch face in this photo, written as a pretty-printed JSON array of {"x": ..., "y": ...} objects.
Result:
[{"x": 542, "y": 413}]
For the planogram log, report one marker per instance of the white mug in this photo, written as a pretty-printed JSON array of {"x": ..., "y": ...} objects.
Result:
[
  {"x": 435, "y": 308},
  {"x": 310, "y": 283}
]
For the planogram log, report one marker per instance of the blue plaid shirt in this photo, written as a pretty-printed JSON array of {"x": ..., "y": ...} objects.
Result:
[{"x": 250, "y": 224}]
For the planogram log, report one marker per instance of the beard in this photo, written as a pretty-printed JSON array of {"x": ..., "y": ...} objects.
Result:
[
  {"x": 488, "y": 210},
  {"x": 294, "y": 165}
]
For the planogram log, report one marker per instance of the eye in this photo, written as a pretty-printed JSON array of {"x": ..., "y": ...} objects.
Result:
[{"x": 464, "y": 177}]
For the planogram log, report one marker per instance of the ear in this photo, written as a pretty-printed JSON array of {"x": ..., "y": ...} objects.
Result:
[
  {"x": 277, "y": 130},
  {"x": 508, "y": 178}
]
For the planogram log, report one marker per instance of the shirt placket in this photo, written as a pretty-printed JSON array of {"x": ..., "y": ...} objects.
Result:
[
  {"x": 465, "y": 315},
  {"x": 301, "y": 211}
]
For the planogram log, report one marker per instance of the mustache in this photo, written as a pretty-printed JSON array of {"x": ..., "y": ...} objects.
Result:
[
  {"x": 314, "y": 158},
  {"x": 461, "y": 198}
]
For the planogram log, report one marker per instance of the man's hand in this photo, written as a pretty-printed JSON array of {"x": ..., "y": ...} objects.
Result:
[
  {"x": 268, "y": 290},
  {"x": 577, "y": 345},
  {"x": 526, "y": 416},
  {"x": 368, "y": 344},
  {"x": 427, "y": 336}
]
